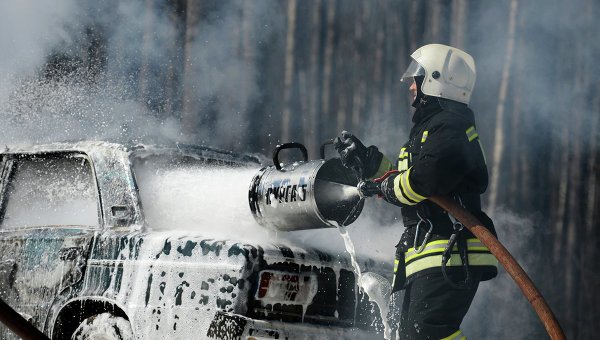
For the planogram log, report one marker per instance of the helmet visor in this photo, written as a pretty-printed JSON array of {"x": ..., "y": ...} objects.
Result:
[{"x": 413, "y": 70}]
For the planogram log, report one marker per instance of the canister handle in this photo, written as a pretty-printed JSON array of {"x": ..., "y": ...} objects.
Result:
[
  {"x": 325, "y": 143},
  {"x": 292, "y": 145}
]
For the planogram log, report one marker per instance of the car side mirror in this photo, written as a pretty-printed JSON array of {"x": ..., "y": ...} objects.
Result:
[{"x": 121, "y": 215}]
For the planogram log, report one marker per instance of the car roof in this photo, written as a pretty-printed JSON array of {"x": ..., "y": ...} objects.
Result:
[{"x": 138, "y": 151}]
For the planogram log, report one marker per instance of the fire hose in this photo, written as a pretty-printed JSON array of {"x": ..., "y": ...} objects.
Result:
[
  {"x": 509, "y": 263},
  {"x": 503, "y": 256}
]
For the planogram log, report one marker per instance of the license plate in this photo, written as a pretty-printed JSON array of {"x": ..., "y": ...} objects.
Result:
[{"x": 284, "y": 287}]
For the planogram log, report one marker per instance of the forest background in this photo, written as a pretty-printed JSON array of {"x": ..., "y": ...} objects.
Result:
[{"x": 248, "y": 75}]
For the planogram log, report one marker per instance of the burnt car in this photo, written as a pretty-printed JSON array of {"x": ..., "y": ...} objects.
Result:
[{"x": 95, "y": 239}]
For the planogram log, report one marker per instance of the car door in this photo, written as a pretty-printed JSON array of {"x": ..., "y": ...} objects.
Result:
[{"x": 49, "y": 211}]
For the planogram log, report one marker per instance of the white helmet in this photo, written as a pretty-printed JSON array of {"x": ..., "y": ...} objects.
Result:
[{"x": 448, "y": 72}]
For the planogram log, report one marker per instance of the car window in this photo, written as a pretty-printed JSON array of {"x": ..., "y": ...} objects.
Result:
[{"x": 50, "y": 189}]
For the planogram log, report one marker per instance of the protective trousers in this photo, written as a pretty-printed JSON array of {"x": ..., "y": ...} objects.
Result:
[{"x": 432, "y": 309}]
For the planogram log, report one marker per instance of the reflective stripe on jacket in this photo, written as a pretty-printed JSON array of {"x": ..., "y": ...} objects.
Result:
[{"x": 431, "y": 256}]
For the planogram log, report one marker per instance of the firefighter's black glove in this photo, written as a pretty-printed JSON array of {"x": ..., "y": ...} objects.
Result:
[
  {"x": 369, "y": 188},
  {"x": 383, "y": 188},
  {"x": 356, "y": 156},
  {"x": 387, "y": 189}
]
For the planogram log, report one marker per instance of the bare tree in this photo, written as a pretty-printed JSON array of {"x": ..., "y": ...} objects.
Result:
[
  {"x": 343, "y": 78},
  {"x": 190, "y": 107},
  {"x": 146, "y": 50},
  {"x": 589, "y": 300},
  {"x": 359, "y": 88},
  {"x": 327, "y": 64},
  {"x": 515, "y": 133},
  {"x": 289, "y": 70},
  {"x": 574, "y": 217},
  {"x": 376, "y": 87},
  {"x": 434, "y": 26},
  {"x": 459, "y": 20},
  {"x": 414, "y": 15},
  {"x": 176, "y": 14},
  {"x": 519, "y": 165},
  {"x": 313, "y": 77},
  {"x": 248, "y": 57},
  {"x": 391, "y": 75},
  {"x": 499, "y": 132},
  {"x": 560, "y": 203},
  {"x": 581, "y": 201}
]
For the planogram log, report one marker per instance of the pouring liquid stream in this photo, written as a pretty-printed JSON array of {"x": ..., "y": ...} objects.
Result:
[
  {"x": 373, "y": 284},
  {"x": 350, "y": 249}
]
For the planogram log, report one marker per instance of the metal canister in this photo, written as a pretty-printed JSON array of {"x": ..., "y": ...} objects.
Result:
[{"x": 304, "y": 194}]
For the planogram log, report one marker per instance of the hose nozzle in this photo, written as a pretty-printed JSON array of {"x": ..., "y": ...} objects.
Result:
[{"x": 368, "y": 189}]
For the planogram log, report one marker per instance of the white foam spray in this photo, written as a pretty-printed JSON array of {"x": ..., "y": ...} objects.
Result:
[
  {"x": 214, "y": 201},
  {"x": 208, "y": 200}
]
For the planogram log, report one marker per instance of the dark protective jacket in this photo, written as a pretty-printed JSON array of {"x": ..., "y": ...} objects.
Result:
[{"x": 443, "y": 156}]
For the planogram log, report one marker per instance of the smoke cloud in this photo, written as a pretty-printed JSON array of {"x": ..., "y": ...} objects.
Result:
[
  {"x": 30, "y": 30},
  {"x": 500, "y": 310},
  {"x": 83, "y": 103},
  {"x": 68, "y": 100},
  {"x": 49, "y": 93},
  {"x": 227, "y": 86}
]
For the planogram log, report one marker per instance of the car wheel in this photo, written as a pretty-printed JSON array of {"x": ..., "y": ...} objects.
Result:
[{"x": 103, "y": 326}]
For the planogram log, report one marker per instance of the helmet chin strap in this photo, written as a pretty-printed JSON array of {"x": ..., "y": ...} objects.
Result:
[{"x": 420, "y": 94}]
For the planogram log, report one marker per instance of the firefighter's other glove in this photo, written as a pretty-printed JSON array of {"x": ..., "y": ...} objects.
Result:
[{"x": 356, "y": 156}]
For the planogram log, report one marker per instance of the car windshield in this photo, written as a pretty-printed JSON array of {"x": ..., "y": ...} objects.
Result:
[{"x": 193, "y": 193}]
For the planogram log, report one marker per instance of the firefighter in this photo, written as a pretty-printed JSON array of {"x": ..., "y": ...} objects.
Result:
[{"x": 438, "y": 262}]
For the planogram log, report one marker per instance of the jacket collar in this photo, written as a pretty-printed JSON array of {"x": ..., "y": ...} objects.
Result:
[
  {"x": 426, "y": 108},
  {"x": 429, "y": 106}
]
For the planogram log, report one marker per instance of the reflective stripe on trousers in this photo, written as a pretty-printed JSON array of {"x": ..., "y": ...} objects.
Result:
[{"x": 458, "y": 335}]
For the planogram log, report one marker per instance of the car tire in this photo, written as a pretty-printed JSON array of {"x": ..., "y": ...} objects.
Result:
[{"x": 103, "y": 326}]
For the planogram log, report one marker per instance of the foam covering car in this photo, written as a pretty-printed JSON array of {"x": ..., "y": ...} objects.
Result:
[{"x": 84, "y": 249}]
